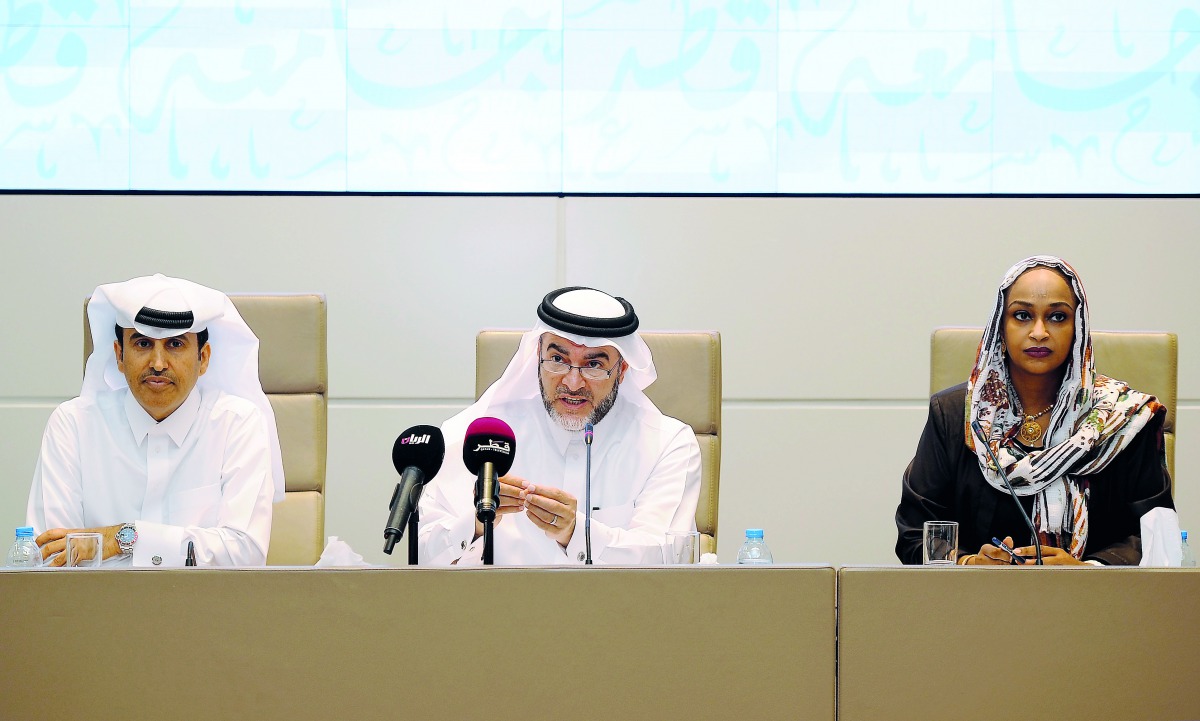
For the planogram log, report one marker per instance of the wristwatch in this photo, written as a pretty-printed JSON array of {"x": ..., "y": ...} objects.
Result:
[{"x": 126, "y": 537}]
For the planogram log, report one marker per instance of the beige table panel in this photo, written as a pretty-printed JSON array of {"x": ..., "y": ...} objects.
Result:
[
  {"x": 1073, "y": 643},
  {"x": 667, "y": 643}
]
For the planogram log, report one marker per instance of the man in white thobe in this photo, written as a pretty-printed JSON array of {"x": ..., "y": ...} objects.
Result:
[
  {"x": 583, "y": 363},
  {"x": 171, "y": 440}
]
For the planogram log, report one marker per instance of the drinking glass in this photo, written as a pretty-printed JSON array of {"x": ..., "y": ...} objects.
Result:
[
  {"x": 682, "y": 547},
  {"x": 84, "y": 550},
  {"x": 939, "y": 543}
]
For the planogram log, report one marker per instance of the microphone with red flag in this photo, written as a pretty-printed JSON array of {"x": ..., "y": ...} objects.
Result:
[{"x": 489, "y": 449}]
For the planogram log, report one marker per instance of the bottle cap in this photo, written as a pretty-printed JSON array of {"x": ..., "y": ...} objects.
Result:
[
  {"x": 754, "y": 533},
  {"x": 25, "y": 532}
]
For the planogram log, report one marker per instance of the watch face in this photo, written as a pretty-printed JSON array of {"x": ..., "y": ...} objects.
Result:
[{"x": 126, "y": 535}]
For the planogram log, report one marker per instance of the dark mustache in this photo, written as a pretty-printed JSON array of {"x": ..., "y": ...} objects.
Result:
[{"x": 564, "y": 392}]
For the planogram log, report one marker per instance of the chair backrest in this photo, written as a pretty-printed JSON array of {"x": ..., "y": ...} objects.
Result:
[
  {"x": 292, "y": 368},
  {"x": 1148, "y": 361},
  {"x": 688, "y": 388}
]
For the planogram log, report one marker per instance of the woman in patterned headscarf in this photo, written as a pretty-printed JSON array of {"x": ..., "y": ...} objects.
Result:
[{"x": 1084, "y": 452}]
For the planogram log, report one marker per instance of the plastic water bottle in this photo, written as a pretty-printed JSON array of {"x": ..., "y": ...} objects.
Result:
[
  {"x": 24, "y": 552},
  {"x": 754, "y": 551},
  {"x": 1189, "y": 558}
]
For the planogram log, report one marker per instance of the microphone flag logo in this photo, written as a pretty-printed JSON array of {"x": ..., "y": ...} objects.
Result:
[{"x": 492, "y": 445}]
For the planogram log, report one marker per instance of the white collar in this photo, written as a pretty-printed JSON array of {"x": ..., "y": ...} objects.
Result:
[{"x": 175, "y": 425}]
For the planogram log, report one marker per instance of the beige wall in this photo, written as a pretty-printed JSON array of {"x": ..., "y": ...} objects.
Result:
[{"x": 825, "y": 306}]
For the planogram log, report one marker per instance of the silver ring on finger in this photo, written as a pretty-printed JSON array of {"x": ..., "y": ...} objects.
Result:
[{"x": 554, "y": 521}]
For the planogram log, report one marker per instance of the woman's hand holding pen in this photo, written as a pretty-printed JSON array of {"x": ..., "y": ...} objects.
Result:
[
  {"x": 993, "y": 555},
  {"x": 1002, "y": 553}
]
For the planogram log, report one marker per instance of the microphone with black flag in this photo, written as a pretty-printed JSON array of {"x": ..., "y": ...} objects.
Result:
[
  {"x": 489, "y": 449},
  {"x": 979, "y": 435},
  {"x": 417, "y": 456}
]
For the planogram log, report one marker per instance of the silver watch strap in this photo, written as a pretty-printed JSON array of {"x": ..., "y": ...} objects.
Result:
[{"x": 126, "y": 546}]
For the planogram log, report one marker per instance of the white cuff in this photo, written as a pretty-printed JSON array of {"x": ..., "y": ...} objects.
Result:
[
  {"x": 158, "y": 545},
  {"x": 577, "y": 547}
]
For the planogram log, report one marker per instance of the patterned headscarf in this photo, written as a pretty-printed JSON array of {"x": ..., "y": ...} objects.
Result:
[{"x": 1094, "y": 418}]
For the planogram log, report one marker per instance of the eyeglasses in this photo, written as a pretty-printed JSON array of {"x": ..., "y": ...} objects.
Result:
[{"x": 558, "y": 368}]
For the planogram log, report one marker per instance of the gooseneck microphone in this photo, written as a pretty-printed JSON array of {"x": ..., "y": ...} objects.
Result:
[
  {"x": 417, "y": 456},
  {"x": 489, "y": 449},
  {"x": 587, "y": 496},
  {"x": 1037, "y": 542}
]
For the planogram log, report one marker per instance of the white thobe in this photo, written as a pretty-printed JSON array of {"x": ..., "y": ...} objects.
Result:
[
  {"x": 645, "y": 481},
  {"x": 203, "y": 475}
]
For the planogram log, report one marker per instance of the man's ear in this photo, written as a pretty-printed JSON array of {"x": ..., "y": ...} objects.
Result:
[
  {"x": 118, "y": 352},
  {"x": 205, "y": 354},
  {"x": 621, "y": 374}
]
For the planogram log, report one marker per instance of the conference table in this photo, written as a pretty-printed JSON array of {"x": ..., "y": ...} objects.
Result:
[
  {"x": 681, "y": 642},
  {"x": 1009, "y": 644}
]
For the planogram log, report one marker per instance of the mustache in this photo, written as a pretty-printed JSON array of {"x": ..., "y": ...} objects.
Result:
[
  {"x": 151, "y": 373},
  {"x": 563, "y": 391}
]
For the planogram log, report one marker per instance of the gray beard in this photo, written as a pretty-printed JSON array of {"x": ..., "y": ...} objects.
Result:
[{"x": 575, "y": 423}]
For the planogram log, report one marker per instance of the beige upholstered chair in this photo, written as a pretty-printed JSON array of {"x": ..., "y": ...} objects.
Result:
[
  {"x": 1147, "y": 361},
  {"x": 688, "y": 388},
  {"x": 292, "y": 368}
]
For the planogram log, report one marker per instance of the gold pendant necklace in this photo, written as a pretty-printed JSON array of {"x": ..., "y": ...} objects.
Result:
[{"x": 1031, "y": 432}]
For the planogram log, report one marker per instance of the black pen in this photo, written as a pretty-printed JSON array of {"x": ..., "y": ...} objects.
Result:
[
  {"x": 1004, "y": 547},
  {"x": 191, "y": 555}
]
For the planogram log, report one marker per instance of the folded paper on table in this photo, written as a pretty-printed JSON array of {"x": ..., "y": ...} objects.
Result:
[{"x": 339, "y": 553}]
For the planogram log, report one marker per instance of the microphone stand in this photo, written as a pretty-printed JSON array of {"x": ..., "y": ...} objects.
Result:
[
  {"x": 488, "y": 549},
  {"x": 1037, "y": 542},
  {"x": 587, "y": 497},
  {"x": 412, "y": 537}
]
